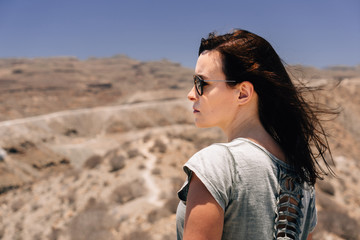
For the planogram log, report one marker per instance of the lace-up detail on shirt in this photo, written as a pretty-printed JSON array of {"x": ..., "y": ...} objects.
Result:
[{"x": 289, "y": 205}]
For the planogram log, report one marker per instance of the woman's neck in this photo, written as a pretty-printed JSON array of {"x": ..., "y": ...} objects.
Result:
[
  {"x": 252, "y": 129},
  {"x": 244, "y": 126}
]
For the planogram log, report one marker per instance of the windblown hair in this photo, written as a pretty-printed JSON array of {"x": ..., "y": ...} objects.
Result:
[{"x": 287, "y": 117}]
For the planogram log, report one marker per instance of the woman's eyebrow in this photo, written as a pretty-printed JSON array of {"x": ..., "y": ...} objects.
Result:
[{"x": 202, "y": 76}]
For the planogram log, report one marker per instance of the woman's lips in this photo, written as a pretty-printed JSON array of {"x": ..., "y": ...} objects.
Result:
[{"x": 195, "y": 110}]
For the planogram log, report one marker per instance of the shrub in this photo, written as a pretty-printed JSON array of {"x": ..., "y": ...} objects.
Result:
[
  {"x": 158, "y": 146},
  {"x": 17, "y": 71},
  {"x": 326, "y": 187},
  {"x": 133, "y": 153},
  {"x": 338, "y": 223},
  {"x": 156, "y": 171},
  {"x": 117, "y": 163},
  {"x": 54, "y": 234},
  {"x": 171, "y": 204},
  {"x": 141, "y": 166},
  {"x": 92, "y": 224},
  {"x": 71, "y": 132},
  {"x": 157, "y": 214},
  {"x": 37, "y": 236},
  {"x": 169, "y": 236},
  {"x": 176, "y": 183},
  {"x": 326, "y": 201},
  {"x": 147, "y": 137},
  {"x": 93, "y": 161},
  {"x": 128, "y": 192},
  {"x": 138, "y": 234},
  {"x": 17, "y": 204}
]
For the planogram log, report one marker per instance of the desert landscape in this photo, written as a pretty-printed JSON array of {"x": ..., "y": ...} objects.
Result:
[{"x": 93, "y": 149}]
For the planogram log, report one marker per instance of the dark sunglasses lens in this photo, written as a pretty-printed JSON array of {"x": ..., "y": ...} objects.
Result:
[{"x": 198, "y": 84}]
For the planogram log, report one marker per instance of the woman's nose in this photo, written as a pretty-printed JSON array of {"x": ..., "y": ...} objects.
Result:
[{"x": 192, "y": 96}]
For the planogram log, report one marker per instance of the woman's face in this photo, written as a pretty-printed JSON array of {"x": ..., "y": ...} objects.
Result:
[{"x": 217, "y": 106}]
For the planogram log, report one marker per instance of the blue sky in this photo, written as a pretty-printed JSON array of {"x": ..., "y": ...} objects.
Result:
[{"x": 317, "y": 33}]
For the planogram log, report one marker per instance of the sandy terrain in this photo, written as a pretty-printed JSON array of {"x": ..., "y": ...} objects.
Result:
[{"x": 94, "y": 149}]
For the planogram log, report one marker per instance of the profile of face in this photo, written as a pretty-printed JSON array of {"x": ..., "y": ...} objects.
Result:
[{"x": 218, "y": 105}]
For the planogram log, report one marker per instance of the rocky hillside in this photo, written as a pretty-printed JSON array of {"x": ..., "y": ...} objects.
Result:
[
  {"x": 30, "y": 87},
  {"x": 94, "y": 149}
]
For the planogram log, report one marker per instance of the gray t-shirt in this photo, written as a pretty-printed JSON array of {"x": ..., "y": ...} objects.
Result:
[{"x": 261, "y": 196}]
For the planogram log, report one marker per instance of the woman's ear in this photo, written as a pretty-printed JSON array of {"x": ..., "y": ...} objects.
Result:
[{"x": 245, "y": 92}]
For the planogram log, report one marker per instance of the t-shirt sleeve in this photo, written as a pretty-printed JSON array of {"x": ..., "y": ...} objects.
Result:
[{"x": 214, "y": 167}]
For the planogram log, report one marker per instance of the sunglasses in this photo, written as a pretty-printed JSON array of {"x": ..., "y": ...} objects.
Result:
[{"x": 200, "y": 83}]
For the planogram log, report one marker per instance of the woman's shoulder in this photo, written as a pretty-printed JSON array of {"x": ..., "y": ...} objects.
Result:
[
  {"x": 238, "y": 143},
  {"x": 243, "y": 150},
  {"x": 239, "y": 146},
  {"x": 224, "y": 150},
  {"x": 229, "y": 152},
  {"x": 214, "y": 151}
]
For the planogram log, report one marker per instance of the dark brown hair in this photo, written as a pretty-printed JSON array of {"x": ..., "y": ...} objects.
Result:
[{"x": 283, "y": 111}]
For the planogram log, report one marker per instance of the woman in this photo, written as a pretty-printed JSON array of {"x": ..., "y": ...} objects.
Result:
[{"x": 259, "y": 185}]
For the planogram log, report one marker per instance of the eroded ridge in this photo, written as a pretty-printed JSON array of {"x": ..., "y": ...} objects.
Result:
[{"x": 289, "y": 205}]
